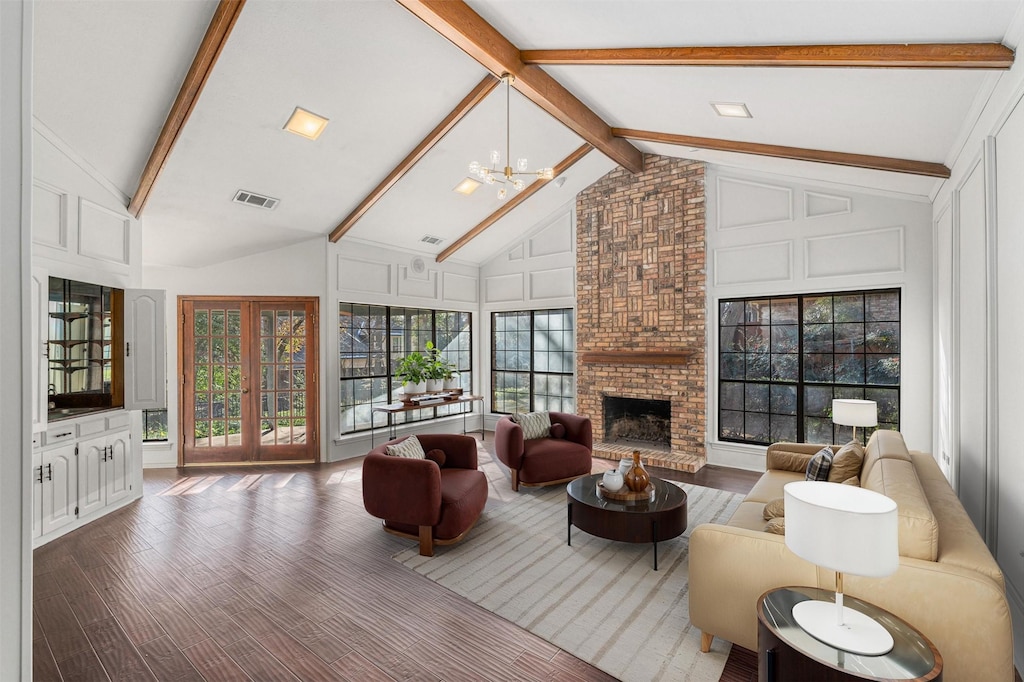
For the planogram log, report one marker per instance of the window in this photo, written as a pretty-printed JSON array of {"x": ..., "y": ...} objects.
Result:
[
  {"x": 533, "y": 361},
  {"x": 783, "y": 359},
  {"x": 373, "y": 339},
  {"x": 154, "y": 425}
]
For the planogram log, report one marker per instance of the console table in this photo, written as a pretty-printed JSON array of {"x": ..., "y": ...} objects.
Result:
[
  {"x": 786, "y": 652},
  {"x": 395, "y": 408}
]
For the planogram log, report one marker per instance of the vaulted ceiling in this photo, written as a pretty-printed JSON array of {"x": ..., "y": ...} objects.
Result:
[{"x": 107, "y": 73}]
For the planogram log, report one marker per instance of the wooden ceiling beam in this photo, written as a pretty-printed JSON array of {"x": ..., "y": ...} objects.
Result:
[
  {"x": 467, "y": 104},
  {"x": 885, "y": 163},
  {"x": 517, "y": 199},
  {"x": 216, "y": 37},
  {"x": 467, "y": 30},
  {"x": 921, "y": 56}
]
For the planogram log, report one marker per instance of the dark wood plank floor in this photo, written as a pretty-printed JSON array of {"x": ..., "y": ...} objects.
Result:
[{"x": 276, "y": 573}]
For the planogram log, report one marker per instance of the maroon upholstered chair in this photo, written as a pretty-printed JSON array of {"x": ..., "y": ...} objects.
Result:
[
  {"x": 545, "y": 461},
  {"x": 418, "y": 499}
]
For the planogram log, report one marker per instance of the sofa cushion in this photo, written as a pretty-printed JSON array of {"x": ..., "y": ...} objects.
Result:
[
  {"x": 410, "y": 447},
  {"x": 852, "y": 480},
  {"x": 918, "y": 528},
  {"x": 551, "y": 459},
  {"x": 819, "y": 465},
  {"x": 883, "y": 444},
  {"x": 437, "y": 456},
  {"x": 770, "y": 485},
  {"x": 784, "y": 460},
  {"x": 749, "y": 515},
  {"x": 558, "y": 430},
  {"x": 534, "y": 424},
  {"x": 846, "y": 463}
]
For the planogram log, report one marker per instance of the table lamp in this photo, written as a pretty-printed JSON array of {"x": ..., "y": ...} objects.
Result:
[
  {"x": 845, "y": 529},
  {"x": 849, "y": 412}
]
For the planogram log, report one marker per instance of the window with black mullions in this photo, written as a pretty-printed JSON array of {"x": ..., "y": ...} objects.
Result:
[
  {"x": 533, "y": 361},
  {"x": 783, "y": 359}
]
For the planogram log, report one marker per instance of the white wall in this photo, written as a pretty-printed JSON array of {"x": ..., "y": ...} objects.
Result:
[
  {"x": 772, "y": 235},
  {"x": 979, "y": 222},
  {"x": 536, "y": 271},
  {"x": 15, "y": 488},
  {"x": 361, "y": 273}
]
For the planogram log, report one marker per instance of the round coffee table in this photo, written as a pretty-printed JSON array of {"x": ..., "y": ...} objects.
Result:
[{"x": 663, "y": 517}]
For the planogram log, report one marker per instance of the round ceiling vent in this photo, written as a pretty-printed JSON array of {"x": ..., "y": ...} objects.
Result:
[{"x": 418, "y": 266}]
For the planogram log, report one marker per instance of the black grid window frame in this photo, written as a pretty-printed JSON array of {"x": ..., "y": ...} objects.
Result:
[
  {"x": 544, "y": 388},
  {"x": 807, "y": 400},
  {"x": 152, "y": 421},
  {"x": 419, "y": 325}
]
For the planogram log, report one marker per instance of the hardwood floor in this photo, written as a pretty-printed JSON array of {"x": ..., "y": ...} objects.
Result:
[{"x": 275, "y": 573}]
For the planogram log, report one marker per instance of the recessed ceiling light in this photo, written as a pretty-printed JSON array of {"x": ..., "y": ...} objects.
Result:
[
  {"x": 731, "y": 109},
  {"x": 467, "y": 186},
  {"x": 305, "y": 123}
]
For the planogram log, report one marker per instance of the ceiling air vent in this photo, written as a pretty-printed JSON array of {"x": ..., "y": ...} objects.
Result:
[
  {"x": 431, "y": 239},
  {"x": 253, "y": 199}
]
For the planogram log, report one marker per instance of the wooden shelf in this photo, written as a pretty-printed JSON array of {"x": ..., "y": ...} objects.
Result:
[{"x": 636, "y": 357}]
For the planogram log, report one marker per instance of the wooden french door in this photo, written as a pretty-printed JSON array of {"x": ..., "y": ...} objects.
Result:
[{"x": 249, "y": 380}]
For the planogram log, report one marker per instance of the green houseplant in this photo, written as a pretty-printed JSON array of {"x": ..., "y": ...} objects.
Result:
[
  {"x": 436, "y": 368},
  {"x": 412, "y": 372}
]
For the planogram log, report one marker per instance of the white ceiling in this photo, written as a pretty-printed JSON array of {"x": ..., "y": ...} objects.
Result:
[{"x": 107, "y": 71}]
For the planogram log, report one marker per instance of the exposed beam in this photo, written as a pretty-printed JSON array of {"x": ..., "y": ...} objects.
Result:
[
  {"x": 433, "y": 137},
  {"x": 517, "y": 199},
  {"x": 467, "y": 30},
  {"x": 922, "y": 56},
  {"x": 935, "y": 170},
  {"x": 217, "y": 33}
]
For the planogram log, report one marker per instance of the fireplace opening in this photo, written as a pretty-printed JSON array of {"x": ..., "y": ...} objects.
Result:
[{"x": 636, "y": 420}]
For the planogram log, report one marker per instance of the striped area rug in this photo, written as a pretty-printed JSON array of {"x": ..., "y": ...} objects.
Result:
[{"x": 599, "y": 600}]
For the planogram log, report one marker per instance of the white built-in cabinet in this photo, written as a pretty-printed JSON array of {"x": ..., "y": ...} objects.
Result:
[{"x": 81, "y": 469}]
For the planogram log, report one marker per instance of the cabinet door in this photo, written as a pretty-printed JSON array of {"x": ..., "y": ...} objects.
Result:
[
  {"x": 92, "y": 463},
  {"x": 59, "y": 487},
  {"x": 37, "y": 493},
  {"x": 118, "y": 467},
  {"x": 40, "y": 292},
  {"x": 145, "y": 361}
]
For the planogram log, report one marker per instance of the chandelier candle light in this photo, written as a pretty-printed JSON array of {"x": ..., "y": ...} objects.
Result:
[{"x": 494, "y": 174}]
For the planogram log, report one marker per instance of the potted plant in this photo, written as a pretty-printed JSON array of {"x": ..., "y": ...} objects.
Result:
[
  {"x": 452, "y": 379},
  {"x": 436, "y": 367},
  {"x": 412, "y": 372}
]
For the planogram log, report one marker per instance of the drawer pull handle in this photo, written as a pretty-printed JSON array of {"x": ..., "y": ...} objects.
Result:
[
  {"x": 49, "y": 472},
  {"x": 40, "y": 473},
  {"x": 61, "y": 435}
]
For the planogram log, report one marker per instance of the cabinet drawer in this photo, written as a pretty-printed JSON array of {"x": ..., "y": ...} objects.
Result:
[
  {"x": 89, "y": 427},
  {"x": 121, "y": 420},
  {"x": 59, "y": 434}
]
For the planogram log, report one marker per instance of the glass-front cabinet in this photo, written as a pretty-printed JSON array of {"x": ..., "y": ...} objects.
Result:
[{"x": 84, "y": 372}]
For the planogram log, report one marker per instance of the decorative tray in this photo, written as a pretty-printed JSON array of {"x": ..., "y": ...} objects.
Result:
[{"x": 624, "y": 494}]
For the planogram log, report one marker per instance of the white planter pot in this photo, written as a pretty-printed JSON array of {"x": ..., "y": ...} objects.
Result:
[
  {"x": 454, "y": 382},
  {"x": 409, "y": 388},
  {"x": 434, "y": 385}
]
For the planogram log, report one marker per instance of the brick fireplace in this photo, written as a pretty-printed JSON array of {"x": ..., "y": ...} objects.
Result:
[{"x": 640, "y": 295}]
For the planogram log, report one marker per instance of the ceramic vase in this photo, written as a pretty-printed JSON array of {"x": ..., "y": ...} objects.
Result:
[
  {"x": 434, "y": 385},
  {"x": 625, "y": 464},
  {"x": 410, "y": 388},
  {"x": 637, "y": 479},
  {"x": 453, "y": 383},
  {"x": 612, "y": 480}
]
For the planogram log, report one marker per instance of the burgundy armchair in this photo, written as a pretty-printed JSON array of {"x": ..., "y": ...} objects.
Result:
[
  {"x": 420, "y": 500},
  {"x": 545, "y": 461}
]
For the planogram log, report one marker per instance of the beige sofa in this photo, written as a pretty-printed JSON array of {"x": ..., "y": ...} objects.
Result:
[{"x": 948, "y": 585}]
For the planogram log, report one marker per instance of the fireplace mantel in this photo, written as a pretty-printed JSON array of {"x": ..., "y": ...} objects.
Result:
[{"x": 636, "y": 357}]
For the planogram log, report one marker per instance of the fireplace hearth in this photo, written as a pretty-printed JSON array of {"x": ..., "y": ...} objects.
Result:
[{"x": 639, "y": 421}]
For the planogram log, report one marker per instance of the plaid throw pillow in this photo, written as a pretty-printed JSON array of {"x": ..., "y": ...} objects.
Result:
[
  {"x": 534, "y": 424},
  {"x": 820, "y": 465},
  {"x": 410, "y": 448}
]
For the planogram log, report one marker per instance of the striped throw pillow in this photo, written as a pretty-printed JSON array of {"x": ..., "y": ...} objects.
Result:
[
  {"x": 534, "y": 424},
  {"x": 820, "y": 465},
  {"x": 409, "y": 448}
]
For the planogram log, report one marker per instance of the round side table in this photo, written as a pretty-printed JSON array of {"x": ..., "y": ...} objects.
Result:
[{"x": 786, "y": 652}]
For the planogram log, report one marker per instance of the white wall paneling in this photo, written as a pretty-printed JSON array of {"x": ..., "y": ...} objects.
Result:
[
  {"x": 755, "y": 263},
  {"x": 103, "y": 234},
  {"x": 746, "y": 203},
  {"x": 412, "y": 285},
  {"x": 820, "y": 205},
  {"x": 364, "y": 276},
  {"x": 504, "y": 288},
  {"x": 49, "y": 215},
  {"x": 859, "y": 253},
  {"x": 555, "y": 283},
  {"x": 456, "y": 287},
  {"x": 554, "y": 239},
  {"x": 944, "y": 380}
]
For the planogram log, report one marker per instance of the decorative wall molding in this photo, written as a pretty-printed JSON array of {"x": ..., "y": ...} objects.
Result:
[
  {"x": 415, "y": 286},
  {"x": 363, "y": 275},
  {"x": 504, "y": 288},
  {"x": 553, "y": 283},
  {"x": 49, "y": 215},
  {"x": 103, "y": 234},
  {"x": 456, "y": 287},
  {"x": 820, "y": 205},
  {"x": 870, "y": 252},
  {"x": 554, "y": 239},
  {"x": 769, "y": 262},
  {"x": 516, "y": 252},
  {"x": 744, "y": 203}
]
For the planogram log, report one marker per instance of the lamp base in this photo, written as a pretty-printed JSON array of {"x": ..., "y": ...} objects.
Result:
[{"x": 858, "y": 634}]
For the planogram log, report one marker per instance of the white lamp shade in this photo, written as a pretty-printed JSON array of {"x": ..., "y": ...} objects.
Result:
[
  {"x": 842, "y": 527},
  {"x": 848, "y": 412}
]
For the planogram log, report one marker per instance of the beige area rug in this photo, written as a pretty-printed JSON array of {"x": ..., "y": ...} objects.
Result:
[{"x": 599, "y": 600}]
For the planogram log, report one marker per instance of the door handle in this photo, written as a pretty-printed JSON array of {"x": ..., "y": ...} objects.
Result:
[
  {"x": 245, "y": 390},
  {"x": 40, "y": 473},
  {"x": 49, "y": 472},
  {"x": 104, "y": 453}
]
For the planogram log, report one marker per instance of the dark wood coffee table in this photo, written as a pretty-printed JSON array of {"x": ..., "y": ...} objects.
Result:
[{"x": 663, "y": 517}]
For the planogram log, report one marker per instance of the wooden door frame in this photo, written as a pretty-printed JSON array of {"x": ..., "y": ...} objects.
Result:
[{"x": 312, "y": 378}]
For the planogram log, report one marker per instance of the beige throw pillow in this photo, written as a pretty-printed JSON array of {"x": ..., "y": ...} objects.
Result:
[
  {"x": 846, "y": 462},
  {"x": 775, "y": 508},
  {"x": 852, "y": 480},
  {"x": 776, "y": 526},
  {"x": 534, "y": 424},
  {"x": 410, "y": 448}
]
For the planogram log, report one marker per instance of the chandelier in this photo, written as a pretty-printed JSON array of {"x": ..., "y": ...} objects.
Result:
[{"x": 506, "y": 176}]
